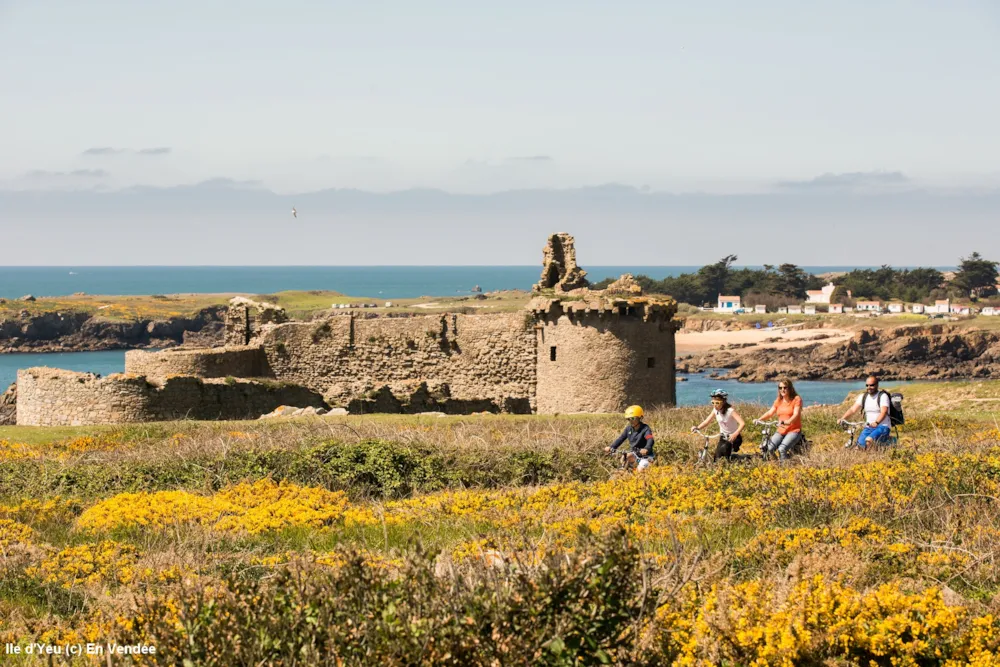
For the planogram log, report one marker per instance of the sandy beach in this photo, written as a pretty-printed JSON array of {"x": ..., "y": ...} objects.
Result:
[{"x": 701, "y": 342}]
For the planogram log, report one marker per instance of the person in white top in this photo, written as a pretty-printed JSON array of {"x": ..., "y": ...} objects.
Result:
[
  {"x": 875, "y": 405},
  {"x": 731, "y": 425}
]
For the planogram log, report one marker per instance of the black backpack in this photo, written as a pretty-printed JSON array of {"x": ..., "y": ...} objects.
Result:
[{"x": 895, "y": 406}]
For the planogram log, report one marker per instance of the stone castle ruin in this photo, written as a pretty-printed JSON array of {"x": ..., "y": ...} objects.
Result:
[{"x": 571, "y": 349}]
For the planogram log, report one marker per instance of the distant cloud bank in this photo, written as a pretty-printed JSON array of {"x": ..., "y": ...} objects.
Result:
[
  {"x": 851, "y": 180},
  {"x": 108, "y": 150}
]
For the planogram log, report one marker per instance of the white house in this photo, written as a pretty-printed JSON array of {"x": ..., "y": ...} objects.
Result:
[
  {"x": 820, "y": 295},
  {"x": 870, "y": 306},
  {"x": 795, "y": 310},
  {"x": 941, "y": 306},
  {"x": 959, "y": 310},
  {"x": 836, "y": 308},
  {"x": 728, "y": 304},
  {"x": 809, "y": 309},
  {"x": 783, "y": 310},
  {"x": 760, "y": 308},
  {"x": 990, "y": 310},
  {"x": 895, "y": 307},
  {"x": 917, "y": 308},
  {"x": 848, "y": 309}
]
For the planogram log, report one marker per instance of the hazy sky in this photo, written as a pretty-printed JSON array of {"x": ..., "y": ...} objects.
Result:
[
  {"x": 783, "y": 98},
  {"x": 300, "y": 94}
]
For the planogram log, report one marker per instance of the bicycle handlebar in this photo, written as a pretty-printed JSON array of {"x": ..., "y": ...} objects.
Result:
[
  {"x": 698, "y": 431},
  {"x": 773, "y": 422}
]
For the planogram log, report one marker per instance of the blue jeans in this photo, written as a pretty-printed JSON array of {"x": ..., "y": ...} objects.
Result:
[
  {"x": 783, "y": 443},
  {"x": 878, "y": 434}
]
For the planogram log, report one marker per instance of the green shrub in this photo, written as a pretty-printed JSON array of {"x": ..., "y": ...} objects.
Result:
[{"x": 571, "y": 610}]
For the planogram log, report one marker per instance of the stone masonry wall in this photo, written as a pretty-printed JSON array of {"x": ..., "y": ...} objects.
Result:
[
  {"x": 487, "y": 357},
  {"x": 235, "y": 361},
  {"x": 604, "y": 361},
  {"x": 55, "y": 397}
]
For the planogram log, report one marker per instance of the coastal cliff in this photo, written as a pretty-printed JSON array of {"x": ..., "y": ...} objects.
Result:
[
  {"x": 901, "y": 353},
  {"x": 80, "y": 331}
]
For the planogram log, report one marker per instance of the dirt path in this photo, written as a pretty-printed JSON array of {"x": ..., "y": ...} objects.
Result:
[{"x": 700, "y": 342}]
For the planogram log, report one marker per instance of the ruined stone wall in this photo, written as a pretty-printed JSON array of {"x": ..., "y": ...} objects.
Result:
[
  {"x": 245, "y": 317},
  {"x": 604, "y": 360},
  {"x": 487, "y": 357},
  {"x": 55, "y": 397},
  {"x": 235, "y": 361}
]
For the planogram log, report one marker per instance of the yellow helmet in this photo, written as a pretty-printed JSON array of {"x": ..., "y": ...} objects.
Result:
[{"x": 633, "y": 411}]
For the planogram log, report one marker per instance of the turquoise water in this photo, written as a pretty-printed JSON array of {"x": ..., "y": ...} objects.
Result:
[
  {"x": 388, "y": 282},
  {"x": 693, "y": 392}
]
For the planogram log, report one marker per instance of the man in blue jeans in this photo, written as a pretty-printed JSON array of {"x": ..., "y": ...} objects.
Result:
[{"x": 875, "y": 406}]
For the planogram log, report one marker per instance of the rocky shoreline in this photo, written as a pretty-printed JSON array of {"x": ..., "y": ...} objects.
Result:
[
  {"x": 82, "y": 332},
  {"x": 933, "y": 352}
]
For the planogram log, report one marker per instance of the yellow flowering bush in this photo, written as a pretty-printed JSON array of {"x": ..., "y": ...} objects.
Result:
[
  {"x": 12, "y": 532},
  {"x": 252, "y": 508},
  {"x": 106, "y": 562}
]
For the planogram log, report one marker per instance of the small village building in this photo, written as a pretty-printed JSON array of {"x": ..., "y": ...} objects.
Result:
[
  {"x": 728, "y": 304},
  {"x": 848, "y": 309},
  {"x": 809, "y": 309},
  {"x": 820, "y": 295},
  {"x": 836, "y": 308},
  {"x": 990, "y": 311},
  {"x": 760, "y": 309},
  {"x": 795, "y": 310},
  {"x": 895, "y": 307},
  {"x": 869, "y": 306},
  {"x": 783, "y": 310},
  {"x": 957, "y": 309},
  {"x": 917, "y": 308},
  {"x": 941, "y": 306}
]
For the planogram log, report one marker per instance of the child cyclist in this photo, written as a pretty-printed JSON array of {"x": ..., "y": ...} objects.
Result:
[
  {"x": 640, "y": 439},
  {"x": 731, "y": 425}
]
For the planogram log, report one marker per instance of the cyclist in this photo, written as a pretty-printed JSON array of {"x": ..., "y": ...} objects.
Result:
[
  {"x": 788, "y": 407},
  {"x": 731, "y": 425},
  {"x": 875, "y": 405},
  {"x": 640, "y": 439}
]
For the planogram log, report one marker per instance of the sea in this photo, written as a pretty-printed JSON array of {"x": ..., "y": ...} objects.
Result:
[
  {"x": 385, "y": 282},
  {"x": 389, "y": 282}
]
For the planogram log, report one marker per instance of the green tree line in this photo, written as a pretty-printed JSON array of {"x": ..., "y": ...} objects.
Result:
[{"x": 975, "y": 278}]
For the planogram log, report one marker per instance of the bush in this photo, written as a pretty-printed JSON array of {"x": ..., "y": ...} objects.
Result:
[{"x": 569, "y": 610}]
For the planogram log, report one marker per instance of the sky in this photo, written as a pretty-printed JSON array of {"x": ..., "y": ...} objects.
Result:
[{"x": 722, "y": 121}]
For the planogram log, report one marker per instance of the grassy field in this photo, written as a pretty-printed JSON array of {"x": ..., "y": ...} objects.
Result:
[
  {"x": 116, "y": 307},
  {"x": 492, "y": 539},
  {"x": 299, "y": 304}
]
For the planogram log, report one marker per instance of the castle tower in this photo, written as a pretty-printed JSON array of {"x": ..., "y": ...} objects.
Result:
[{"x": 602, "y": 355}]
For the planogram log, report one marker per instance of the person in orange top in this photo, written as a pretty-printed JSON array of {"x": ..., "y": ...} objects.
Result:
[{"x": 788, "y": 407}]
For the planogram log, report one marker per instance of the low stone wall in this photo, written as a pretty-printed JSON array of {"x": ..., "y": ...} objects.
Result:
[
  {"x": 231, "y": 361},
  {"x": 55, "y": 397}
]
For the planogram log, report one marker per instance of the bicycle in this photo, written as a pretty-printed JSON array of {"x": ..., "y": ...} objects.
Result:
[
  {"x": 767, "y": 430},
  {"x": 703, "y": 454},
  {"x": 622, "y": 461},
  {"x": 851, "y": 428}
]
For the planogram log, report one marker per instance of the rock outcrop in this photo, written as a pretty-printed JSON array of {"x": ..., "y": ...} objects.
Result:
[
  {"x": 59, "y": 332},
  {"x": 559, "y": 269},
  {"x": 902, "y": 353}
]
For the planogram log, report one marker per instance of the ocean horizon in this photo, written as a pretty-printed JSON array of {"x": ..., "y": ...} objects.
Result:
[{"x": 386, "y": 282}]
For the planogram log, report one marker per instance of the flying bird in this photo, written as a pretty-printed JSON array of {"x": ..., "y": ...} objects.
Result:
[{"x": 294, "y": 214}]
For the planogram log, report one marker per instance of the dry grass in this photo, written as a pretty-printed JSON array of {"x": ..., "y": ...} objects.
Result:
[{"x": 890, "y": 524}]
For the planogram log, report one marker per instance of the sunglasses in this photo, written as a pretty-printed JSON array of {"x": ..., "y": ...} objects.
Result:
[
  {"x": 871, "y": 386},
  {"x": 782, "y": 388}
]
